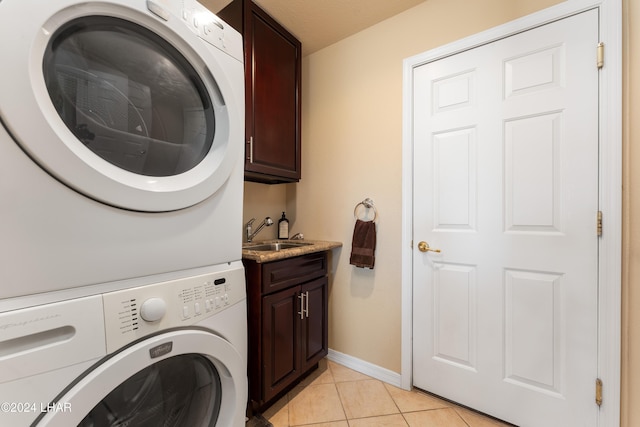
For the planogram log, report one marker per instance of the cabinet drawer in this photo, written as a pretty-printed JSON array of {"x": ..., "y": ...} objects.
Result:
[{"x": 282, "y": 274}]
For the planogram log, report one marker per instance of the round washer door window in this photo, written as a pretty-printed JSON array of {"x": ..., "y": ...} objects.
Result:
[
  {"x": 181, "y": 391},
  {"x": 127, "y": 109},
  {"x": 182, "y": 378}
]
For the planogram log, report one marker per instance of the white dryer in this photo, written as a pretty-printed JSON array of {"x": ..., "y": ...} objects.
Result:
[
  {"x": 168, "y": 354},
  {"x": 121, "y": 141}
]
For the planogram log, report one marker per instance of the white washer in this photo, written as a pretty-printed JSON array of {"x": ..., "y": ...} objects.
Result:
[
  {"x": 95, "y": 360},
  {"x": 121, "y": 140}
]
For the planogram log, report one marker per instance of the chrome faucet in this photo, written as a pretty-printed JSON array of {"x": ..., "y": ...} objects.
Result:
[{"x": 250, "y": 233}]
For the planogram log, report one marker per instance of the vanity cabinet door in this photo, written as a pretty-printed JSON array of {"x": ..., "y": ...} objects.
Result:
[
  {"x": 313, "y": 331},
  {"x": 280, "y": 348},
  {"x": 294, "y": 333}
]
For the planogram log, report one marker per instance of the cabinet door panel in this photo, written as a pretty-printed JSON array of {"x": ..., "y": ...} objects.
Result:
[
  {"x": 273, "y": 111},
  {"x": 314, "y": 327},
  {"x": 281, "y": 320}
]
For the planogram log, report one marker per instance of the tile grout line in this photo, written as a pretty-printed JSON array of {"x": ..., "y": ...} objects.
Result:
[
  {"x": 333, "y": 380},
  {"x": 396, "y": 403},
  {"x": 288, "y": 410},
  {"x": 460, "y": 416}
]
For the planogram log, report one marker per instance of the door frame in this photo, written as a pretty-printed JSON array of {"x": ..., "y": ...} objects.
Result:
[{"x": 610, "y": 187}]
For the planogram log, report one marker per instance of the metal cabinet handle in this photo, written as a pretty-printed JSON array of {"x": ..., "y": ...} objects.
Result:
[
  {"x": 250, "y": 154},
  {"x": 301, "y": 312},
  {"x": 306, "y": 304}
]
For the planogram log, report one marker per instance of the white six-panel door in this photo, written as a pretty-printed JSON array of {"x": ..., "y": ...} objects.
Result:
[{"x": 505, "y": 167}]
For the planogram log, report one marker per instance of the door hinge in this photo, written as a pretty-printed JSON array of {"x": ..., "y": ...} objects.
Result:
[
  {"x": 598, "y": 392},
  {"x": 599, "y": 224},
  {"x": 600, "y": 55}
]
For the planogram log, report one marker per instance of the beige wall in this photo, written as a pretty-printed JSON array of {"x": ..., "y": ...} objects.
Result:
[
  {"x": 352, "y": 149},
  {"x": 352, "y": 146},
  {"x": 261, "y": 201}
]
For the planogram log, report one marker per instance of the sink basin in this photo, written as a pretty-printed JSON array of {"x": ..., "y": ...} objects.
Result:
[{"x": 275, "y": 246}]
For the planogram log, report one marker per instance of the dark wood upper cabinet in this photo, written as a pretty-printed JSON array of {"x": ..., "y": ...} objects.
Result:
[{"x": 273, "y": 61}]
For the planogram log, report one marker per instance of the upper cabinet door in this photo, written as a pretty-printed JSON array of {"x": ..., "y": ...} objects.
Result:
[{"x": 272, "y": 72}]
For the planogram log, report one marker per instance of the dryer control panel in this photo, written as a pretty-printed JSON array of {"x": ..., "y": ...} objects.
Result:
[
  {"x": 202, "y": 22},
  {"x": 135, "y": 313}
]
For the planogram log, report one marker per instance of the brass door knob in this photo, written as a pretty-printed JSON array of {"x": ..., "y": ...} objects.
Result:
[{"x": 424, "y": 247}]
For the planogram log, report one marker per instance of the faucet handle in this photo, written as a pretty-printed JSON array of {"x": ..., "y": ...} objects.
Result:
[{"x": 250, "y": 222}]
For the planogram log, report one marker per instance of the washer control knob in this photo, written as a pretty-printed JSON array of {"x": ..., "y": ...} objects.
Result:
[{"x": 153, "y": 309}]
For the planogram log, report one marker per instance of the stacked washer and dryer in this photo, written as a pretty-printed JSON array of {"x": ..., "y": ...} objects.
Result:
[{"x": 122, "y": 293}]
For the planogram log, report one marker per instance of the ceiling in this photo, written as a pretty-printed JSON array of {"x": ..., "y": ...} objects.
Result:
[{"x": 321, "y": 23}]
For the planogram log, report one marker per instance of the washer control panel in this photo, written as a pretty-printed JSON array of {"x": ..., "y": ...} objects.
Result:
[{"x": 131, "y": 314}]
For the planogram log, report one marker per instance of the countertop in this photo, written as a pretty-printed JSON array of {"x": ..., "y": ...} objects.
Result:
[{"x": 267, "y": 256}]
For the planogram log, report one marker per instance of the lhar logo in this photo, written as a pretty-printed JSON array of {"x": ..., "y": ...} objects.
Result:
[{"x": 161, "y": 350}]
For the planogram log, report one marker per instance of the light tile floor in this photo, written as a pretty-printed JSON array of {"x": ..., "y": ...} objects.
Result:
[{"x": 336, "y": 396}]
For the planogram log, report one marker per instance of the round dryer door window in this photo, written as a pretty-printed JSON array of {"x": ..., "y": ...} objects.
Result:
[
  {"x": 128, "y": 109},
  {"x": 129, "y": 96}
]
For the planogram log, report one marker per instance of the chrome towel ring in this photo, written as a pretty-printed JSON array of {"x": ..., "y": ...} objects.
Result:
[{"x": 368, "y": 204}]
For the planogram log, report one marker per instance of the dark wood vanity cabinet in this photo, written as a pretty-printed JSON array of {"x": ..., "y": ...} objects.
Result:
[
  {"x": 287, "y": 303},
  {"x": 272, "y": 83}
]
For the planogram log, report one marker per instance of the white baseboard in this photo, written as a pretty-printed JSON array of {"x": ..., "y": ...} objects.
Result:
[{"x": 365, "y": 368}]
